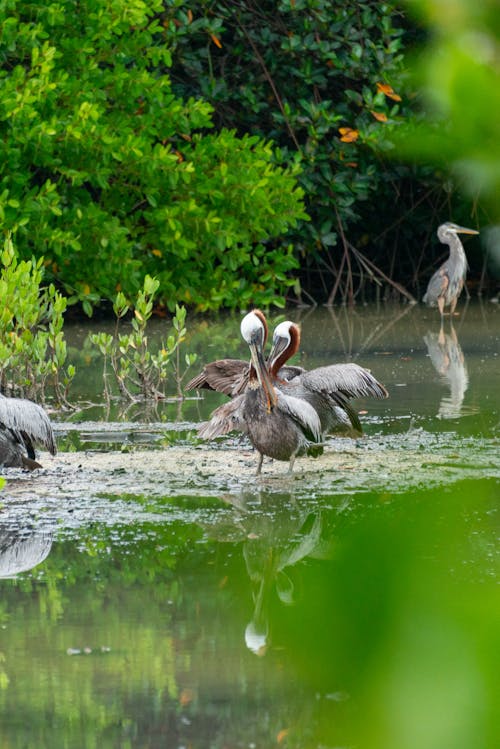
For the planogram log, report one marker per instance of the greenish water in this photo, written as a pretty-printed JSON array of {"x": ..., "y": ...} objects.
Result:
[{"x": 165, "y": 597}]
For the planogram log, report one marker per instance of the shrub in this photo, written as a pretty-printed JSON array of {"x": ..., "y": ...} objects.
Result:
[
  {"x": 109, "y": 175},
  {"x": 139, "y": 372},
  {"x": 32, "y": 344},
  {"x": 324, "y": 81}
]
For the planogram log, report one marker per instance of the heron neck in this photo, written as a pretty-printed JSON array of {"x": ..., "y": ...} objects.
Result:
[{"x": 456, "y": 248}]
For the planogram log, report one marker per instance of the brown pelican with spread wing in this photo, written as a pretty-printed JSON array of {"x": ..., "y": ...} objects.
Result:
[{"x": 288, "y": 417}]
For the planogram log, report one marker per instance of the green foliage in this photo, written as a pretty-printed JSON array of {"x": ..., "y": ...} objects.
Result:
[
  {"x": 458, "y": 73},
  {"x": 109, "y": 175},
  {"x": 32, "y": 344},
  {"x": 138, "y": 372},
  {"x": 315, "y": 77}
]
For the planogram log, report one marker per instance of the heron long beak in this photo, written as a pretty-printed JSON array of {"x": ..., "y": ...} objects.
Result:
[
  {"x": 464, "y": 230},
  {"x": 263, "y": 376}
]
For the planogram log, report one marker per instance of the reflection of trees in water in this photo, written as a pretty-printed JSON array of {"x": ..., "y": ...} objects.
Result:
[
  {"x": 21, "y": 550},
  {"x": 449, "y": 362}
]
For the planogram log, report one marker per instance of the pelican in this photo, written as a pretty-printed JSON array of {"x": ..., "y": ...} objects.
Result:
[
  {"x": 446, "y": 284},
  {"x": 231, "y": 376},
  {"x": 327, "y": 389},
  {"x": 278, "y": 425},
  {"x": 23, "y": 424}
]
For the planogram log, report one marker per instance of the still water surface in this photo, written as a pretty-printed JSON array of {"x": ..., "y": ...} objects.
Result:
[{"x": 154, "y": 593}]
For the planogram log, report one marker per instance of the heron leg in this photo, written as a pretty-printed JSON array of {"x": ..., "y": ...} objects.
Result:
[
  {"x": 453, "y": 305},
  {"x": 441, "y": 305},
  {"x": 259, "y": 464},
  {"x": 290, "y": 465}
]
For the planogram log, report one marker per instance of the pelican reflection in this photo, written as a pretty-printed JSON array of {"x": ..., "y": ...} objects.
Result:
[
  {"x": 22, "y": 549},
  {"x": 276, "y": 534}
]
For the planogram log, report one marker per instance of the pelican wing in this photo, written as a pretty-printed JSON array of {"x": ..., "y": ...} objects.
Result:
[
  {"x": 228, "y": 376},
  {"x": 350, "y": 380},
  {"x": 302, "y": 413},
  {"x": 227, "y": 418},
  {"x": 346, "y": 414},
  {"x": 29, "y": 419}
]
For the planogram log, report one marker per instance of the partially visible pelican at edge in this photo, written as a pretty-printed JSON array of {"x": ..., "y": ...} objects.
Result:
[
  {"x": 23, "y": 424},
  {"x": 447, "y": 283}
]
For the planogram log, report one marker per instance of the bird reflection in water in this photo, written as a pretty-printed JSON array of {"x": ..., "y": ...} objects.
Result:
[
  {"x": 449, "y": 362},
  {"x": 21, "y": 549},
  {"x": 276, "y": 533}
]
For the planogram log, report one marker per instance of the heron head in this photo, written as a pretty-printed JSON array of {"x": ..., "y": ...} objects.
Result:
[{"x": 449, "y": 229}]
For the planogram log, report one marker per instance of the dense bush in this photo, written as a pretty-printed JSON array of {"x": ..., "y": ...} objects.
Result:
[
  {"x": 323, "y": 79},
  {"x": 181, "y": 141},
  {"x": 109, "y": 175},
  {"x": 329, "y": 83}
]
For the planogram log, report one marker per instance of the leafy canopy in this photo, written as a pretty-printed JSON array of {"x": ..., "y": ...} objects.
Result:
[{"x": 109, "y": 175}]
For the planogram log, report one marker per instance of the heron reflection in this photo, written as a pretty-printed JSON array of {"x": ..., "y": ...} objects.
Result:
[{"x": 448, "y": 360}]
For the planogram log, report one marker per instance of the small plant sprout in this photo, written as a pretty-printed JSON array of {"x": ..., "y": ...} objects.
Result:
[
  {"x": 32, "y": 345},
  {"x": 140, "y": 373}
]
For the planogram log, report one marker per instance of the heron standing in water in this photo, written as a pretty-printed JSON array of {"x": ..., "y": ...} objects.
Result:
[
  {"x": 446, "y": 284},
  {"x": 23, "y": 424}
]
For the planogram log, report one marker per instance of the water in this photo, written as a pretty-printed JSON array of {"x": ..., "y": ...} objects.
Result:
[{"x": 156, "y": 594}]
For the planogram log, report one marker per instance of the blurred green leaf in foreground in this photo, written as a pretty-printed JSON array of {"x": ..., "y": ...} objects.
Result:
[{"x": 457, "y": 73}]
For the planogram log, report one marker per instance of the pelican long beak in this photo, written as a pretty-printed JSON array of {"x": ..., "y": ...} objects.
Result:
[
  {"x": 464, "y": 230},
  {"x": 263, "y": 376},
  {"x": 279, "y": 345}
]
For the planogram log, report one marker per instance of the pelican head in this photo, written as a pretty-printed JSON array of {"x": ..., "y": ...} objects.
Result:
[
  {"x": 286, "y": 341},
  {"x": 254, "y": 328},
  {"x": 254, "y": 331},
  {"x": 449, "y": 230}
]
